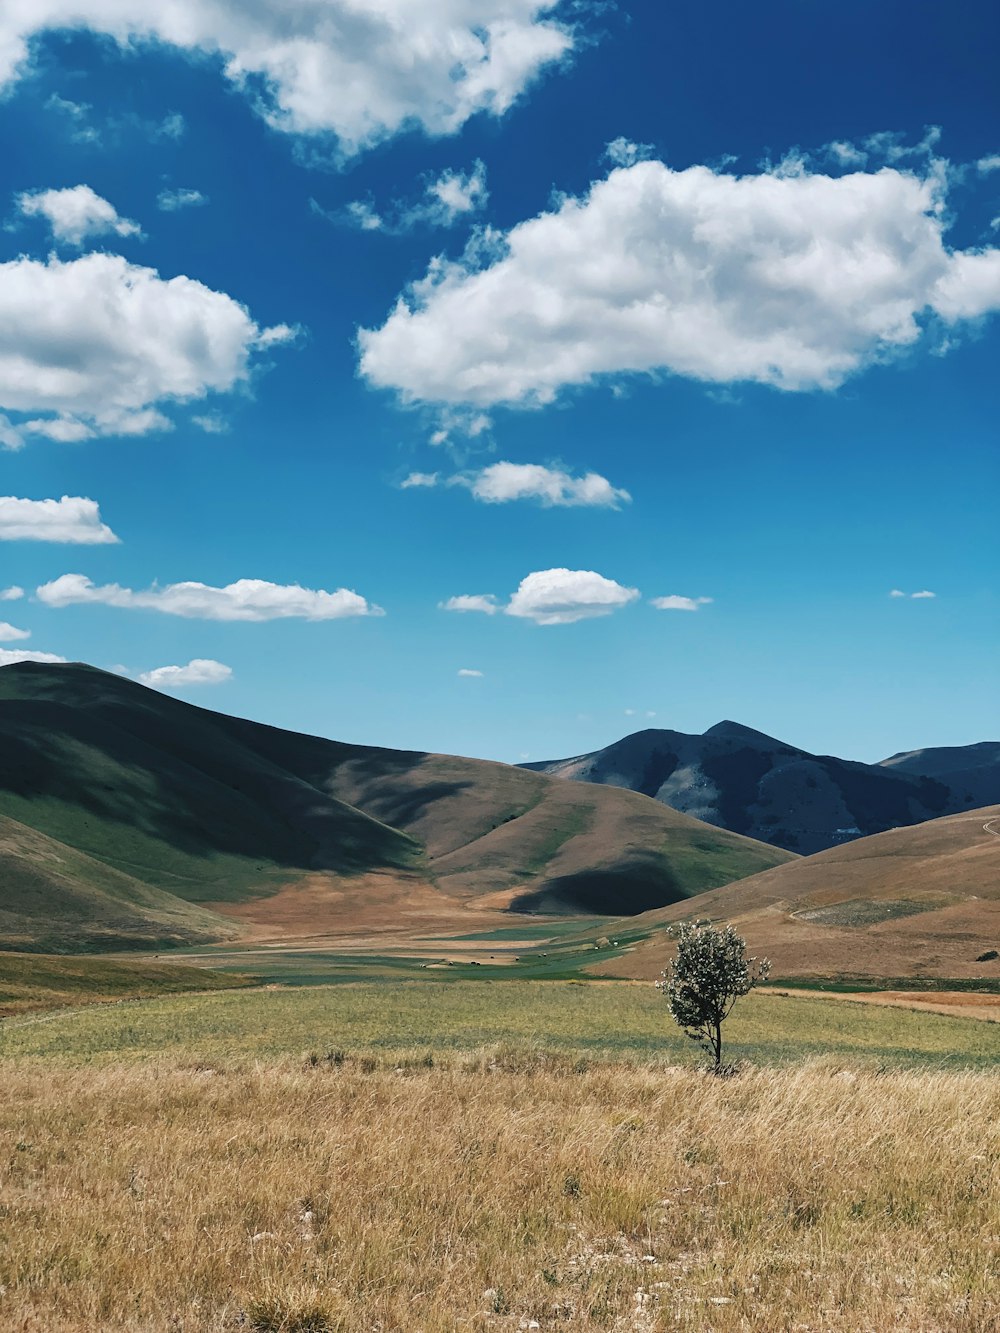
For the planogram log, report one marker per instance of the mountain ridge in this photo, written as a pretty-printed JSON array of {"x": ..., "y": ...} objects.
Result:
[{"x": 743, "y": 780}]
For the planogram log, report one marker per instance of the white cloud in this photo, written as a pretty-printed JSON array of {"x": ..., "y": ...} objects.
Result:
[
  {"x": 988, "y": 164},
  {"x": 10, "y": 633},
  {"x": 199, "y": 671},
  {"x": 553, "y": 597},
  {"x": 562, "y": 596},
  {"x": 486, "y": 603},
  {"x": 360, "y": 69},
  {"x": 676, "y": 603},
  {"x": 792, "y": 280},
  {"x": 454, "y": 195},
  {"x": 72, "y": 519},
  {"x": 246, "y": 599},
  {"x": 11, "y": 594},
  {"x": 450, "y": 197},
  {"x": 897, "y": 592},
  {"x": 8, "y": 656},
  {"x": 923, "y": 595},
  {"x": 76, "y": 214},
  {"x": 622, "y": 152},
  {"x": 469, "y": 672},
  {"x": 99, "y": 342},
  {"x": 503, "y": 482},
  {"x": 169, "y": 201}
]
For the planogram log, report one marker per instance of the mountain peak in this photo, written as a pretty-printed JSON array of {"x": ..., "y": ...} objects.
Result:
[{"x": 728, "y": 730}]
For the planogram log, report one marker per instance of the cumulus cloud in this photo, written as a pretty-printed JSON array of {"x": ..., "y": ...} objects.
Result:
[
  {"x": 503, "y": 482},
  {"x": 562, "y": 596},
  {"x": 484, "y": 602},
  {"x": 100, "y": 345},
  {"x": 923, "y": 594},
  {"x": 199, "y": 671},
  {"x": 11, "y": 594},
  {"x": 246, "y": 599},
  {"x": 359, "y": 69},
  {"x": 419, "y": 479},
  {"x": 170, "y": 201},
  {"x": 10, "y": 633},
  {"x": 919, "y": 596},
  {"x": 469, "y": 672},
  {"x": 677, "y": 603},
  {"x": 72, "y": 519},
  {"x": 76, "y": 214},
  {"x": 553, "y": 597},
  {"x": 787, "y": 278},
  {"x": 8, "y": 656},
  {"x": 988, "y": 164}
]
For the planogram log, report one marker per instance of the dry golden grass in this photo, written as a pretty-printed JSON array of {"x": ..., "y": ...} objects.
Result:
[{"x": 501, "y": 1191}]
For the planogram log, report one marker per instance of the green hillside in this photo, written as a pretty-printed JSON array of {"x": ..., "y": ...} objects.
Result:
[
  {"x": 56, "y": 899},
  {"x": 155, "y": 788},
  {"x": 298, "y": 836}
]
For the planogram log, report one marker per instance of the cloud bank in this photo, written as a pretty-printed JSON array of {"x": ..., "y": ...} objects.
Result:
[
  {"x": 362, "y": 70},
  {"x": 787, "y": 278},
  {"x": 246, "y": 599}
]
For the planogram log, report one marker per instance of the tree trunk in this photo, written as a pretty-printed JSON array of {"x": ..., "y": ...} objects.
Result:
[{"x": 717, "y": 1045}]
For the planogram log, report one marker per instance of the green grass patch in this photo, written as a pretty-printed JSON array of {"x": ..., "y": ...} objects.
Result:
[
  {"x": 30, "y": 981},
  {"x": 594, "y": 1020}
]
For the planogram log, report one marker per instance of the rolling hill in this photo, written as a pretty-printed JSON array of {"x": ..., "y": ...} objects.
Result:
[
  {"x": 233, "y": 823},
  {"x": 742, "y": 780},
  {"x": 911, "y": 903}
]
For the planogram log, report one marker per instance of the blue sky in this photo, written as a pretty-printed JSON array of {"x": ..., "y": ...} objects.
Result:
[{"x": 567, "y": 309}]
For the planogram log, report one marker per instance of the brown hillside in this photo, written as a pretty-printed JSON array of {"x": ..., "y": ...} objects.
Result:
[{"x": 913, "y": 902}]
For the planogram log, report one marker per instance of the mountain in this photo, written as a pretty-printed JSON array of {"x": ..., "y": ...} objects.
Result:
[
  {"x": 240, "y": 826},
  {"x": 740, "y": 779},
  {"x": 972, "y": 772},
  {"x": 914, "y": 902}
]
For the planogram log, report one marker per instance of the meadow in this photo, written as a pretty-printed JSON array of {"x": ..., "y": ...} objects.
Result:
[{"x": 434, "y": 1156}]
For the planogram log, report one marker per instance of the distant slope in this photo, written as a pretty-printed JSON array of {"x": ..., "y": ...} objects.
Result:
[
  {"x": 742, "y": 780},
  {"x": 36, "y": 981},
  {"x": 271, "y": 827},
  {"x": 914, "y": 902}
]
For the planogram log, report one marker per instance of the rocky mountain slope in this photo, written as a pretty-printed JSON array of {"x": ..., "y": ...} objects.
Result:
[{"x": 740, "y": 779}]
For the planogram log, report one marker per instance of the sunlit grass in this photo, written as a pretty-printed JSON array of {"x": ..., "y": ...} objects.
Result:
[
  {"x": 595, "y": 1019},
  {"x": 500, "y": 1190}
]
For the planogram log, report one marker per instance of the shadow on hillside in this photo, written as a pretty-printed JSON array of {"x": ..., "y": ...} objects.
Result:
[
  {"x": 634, "y": 886},
  {"x": 113, "y": 780}
]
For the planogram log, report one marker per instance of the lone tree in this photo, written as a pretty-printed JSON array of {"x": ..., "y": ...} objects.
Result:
[{"x": 709, "y": 974}]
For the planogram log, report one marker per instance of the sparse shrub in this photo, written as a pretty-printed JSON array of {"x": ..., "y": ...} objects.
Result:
[{"x": 709, "y": 974}]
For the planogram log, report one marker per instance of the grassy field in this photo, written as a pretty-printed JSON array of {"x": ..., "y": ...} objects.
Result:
[
  {"x": 436, "y": 1155},
  {"x": 385, "y": 1020},
  {"x": 494, "y": 1194}
]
